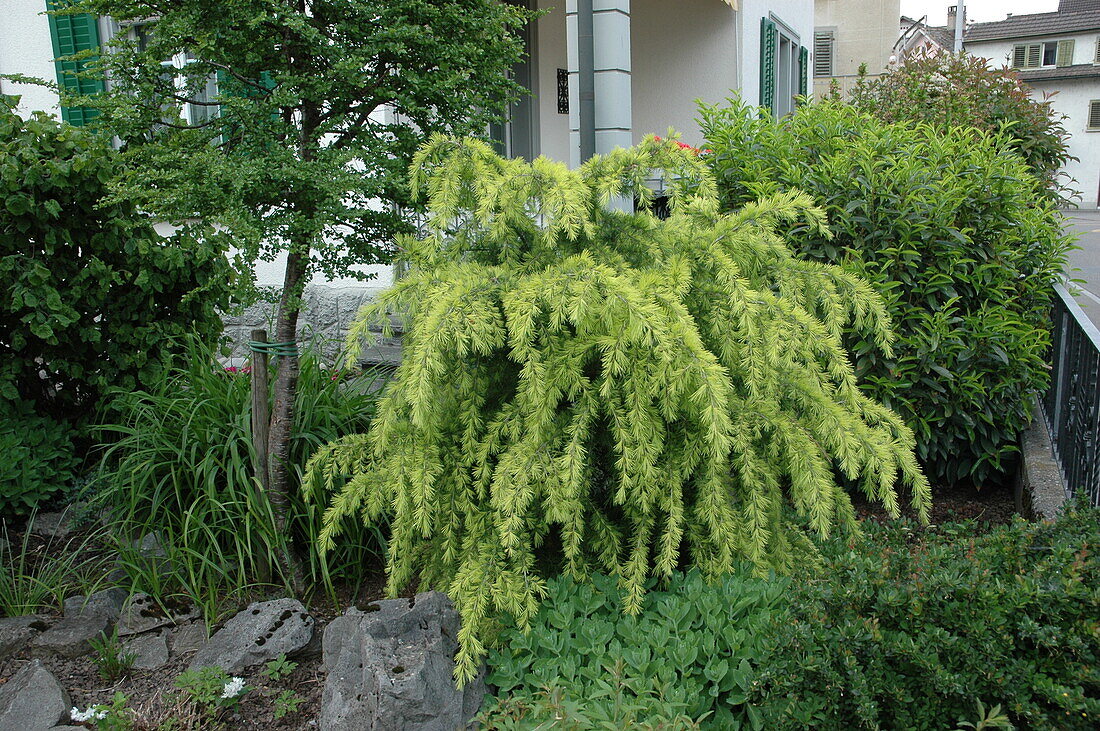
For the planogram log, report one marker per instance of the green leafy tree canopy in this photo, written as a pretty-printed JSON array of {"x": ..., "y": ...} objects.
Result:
[
  {"x": 287, "y": 127},
  {"x": 638, "y": 392}
]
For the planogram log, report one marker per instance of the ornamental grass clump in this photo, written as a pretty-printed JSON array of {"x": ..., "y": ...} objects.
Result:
[{"x": 609, "y": 390}]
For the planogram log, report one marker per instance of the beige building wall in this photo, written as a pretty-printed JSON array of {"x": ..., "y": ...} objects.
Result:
[{"x": 864, "y": 31}]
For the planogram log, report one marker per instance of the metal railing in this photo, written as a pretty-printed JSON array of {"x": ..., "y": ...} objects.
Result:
[{"x": 1072, "y": 404}]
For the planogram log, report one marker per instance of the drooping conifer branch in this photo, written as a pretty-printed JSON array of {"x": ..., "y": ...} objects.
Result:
[{"x": 639, "y": 392}]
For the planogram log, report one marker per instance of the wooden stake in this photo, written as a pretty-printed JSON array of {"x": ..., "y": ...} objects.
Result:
[{"x": 261, "y": 408}]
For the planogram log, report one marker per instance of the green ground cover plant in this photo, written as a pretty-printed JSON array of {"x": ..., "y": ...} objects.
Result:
[
  {"x": 604, "y": 391},
  {"x": 689, "y": 657},
  {"x": 904, "y": 628},
  {"x": 956, "y": 235},
  {"x": 39, "y": 458},
  {"x": 960, "y": 625},
  {"x": 179, "y": 465}
]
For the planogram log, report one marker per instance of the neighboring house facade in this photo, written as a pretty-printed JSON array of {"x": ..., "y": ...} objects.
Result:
[
  {"x": 1058, "y": 54},
  {"x": 917, "y": 38},
  {"x": 849, "y": 34},
  {"x": 642, "y": 62}
]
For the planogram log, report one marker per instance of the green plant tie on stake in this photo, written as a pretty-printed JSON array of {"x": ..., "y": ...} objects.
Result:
[{"x": 288, "y": 348}]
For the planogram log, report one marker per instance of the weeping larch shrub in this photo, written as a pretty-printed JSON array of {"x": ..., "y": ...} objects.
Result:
[{"x": 643, "y": 393}]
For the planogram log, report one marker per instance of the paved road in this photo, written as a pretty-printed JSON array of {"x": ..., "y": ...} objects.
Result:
[{"x": 1084, "y": 263}]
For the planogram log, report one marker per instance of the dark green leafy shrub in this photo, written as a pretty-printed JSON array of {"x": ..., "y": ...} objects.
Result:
[
  {"x": 94, "y": 298},
  {"x": 904, "y": 629},
  {"x": 613, "y": 391},
  {"x": 38, "y": 458},
  {"x": 180, "y": 464},
  {"x": 948, "y": 91},
  {"x": 952, "y": 230},
  {"x": 690, "y": 655}
]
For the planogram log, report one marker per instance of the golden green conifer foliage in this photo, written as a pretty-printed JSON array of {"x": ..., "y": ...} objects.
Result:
[{"x": 625, "y": 393}]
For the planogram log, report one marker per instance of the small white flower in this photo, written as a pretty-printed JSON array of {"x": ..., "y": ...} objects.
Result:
[
  {"x": 94, "y": 713},
  {"x": 233, "y": 688}
]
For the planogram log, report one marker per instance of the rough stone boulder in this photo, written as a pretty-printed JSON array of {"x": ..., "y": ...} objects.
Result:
[
  {"x": 32, "y": 700},
  {"x": 16, "y": 632},
  {"x": 141, "y": 613},
  {"x": 260, "y": 633},
  {"x": 107, "y": 603},
  {"x": 390, "y": 668},
  {"x": 71, "y": 637}
]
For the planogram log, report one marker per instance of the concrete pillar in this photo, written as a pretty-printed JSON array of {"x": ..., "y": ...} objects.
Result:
[{"x": 611, "y": 71}]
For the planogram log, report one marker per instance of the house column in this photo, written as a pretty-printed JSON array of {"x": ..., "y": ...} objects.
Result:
[{"x": 605, "y": 116}]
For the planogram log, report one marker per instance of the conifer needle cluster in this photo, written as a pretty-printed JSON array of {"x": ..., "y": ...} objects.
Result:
[{"x": 610, "y": 390}]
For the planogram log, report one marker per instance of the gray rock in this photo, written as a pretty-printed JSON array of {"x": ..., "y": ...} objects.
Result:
[
  {"x": 187, "y": 638},
  {"x": 55, "y": 525},
  {"x": 150, "y": 650},
  {"x": 70, "y": 637},
  {"x": 32, "y": 700},
  {"x": 260, "y": 633},
  {"x": 149, "y": 545},
  {"x": 69, "y": 728},
  {"x": 390, "y": 668},
  {"x": 107, "y": 603},
  {"x": 15, "y": 633},
  {"x": 141, "y": 613}
]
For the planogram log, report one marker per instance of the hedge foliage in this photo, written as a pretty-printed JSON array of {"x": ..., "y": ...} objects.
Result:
[
  {"x": 953, "y": 231},
  {"x": 637, "y": 392},
  {"x": 94, "y": 299},
  {"x": 902, "y": 630},
  {"x": 947, "y": 91}
]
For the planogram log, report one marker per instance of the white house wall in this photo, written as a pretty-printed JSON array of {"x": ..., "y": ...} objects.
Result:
[
  {"x": 798, "y": 15},
  {"x": 550, "y": 49},
  {"x": 26, "y": 48},
  {"x": 680, "y": 52}
]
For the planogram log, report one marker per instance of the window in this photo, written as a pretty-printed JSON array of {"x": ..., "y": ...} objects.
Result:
[
  {"x": 1037, "y": 55},
  {"x": 1096, "y": 58},
  {"x": 1093, "y": 124},
  {"x": 824, "y": 43},
  {"x": 783, "y": 67},
  {"x": 200, "y": 92}
]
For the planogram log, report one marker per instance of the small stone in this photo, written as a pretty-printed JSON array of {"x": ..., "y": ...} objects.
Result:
[
  {"x": 260, "y": 633},
  {"x": 70, "y": 637},
  {"x": 107, "y": 603},
  {"x": 15, "y": 633},
  {"x": 390, "y": 668},
  {"x": 32, "y": 699},
  {"x": 150, "y": 650},
  {"x": 141, "y": 613},
  {"x": 187, "y": 638}
]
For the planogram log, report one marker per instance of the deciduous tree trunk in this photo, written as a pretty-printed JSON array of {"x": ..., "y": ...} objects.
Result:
[{"x": 282, "y": 411}]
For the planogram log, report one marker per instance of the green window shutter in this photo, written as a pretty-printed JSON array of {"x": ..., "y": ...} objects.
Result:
[
  {"x": 803, "y": 70},
  {"x": 1065, "y": 53},
  {"x": 72, "y": 34},
  {"x": 769, "y": 40}
]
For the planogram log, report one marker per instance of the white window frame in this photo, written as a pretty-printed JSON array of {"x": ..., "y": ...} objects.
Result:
[{"x": 192, "y": 114}]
